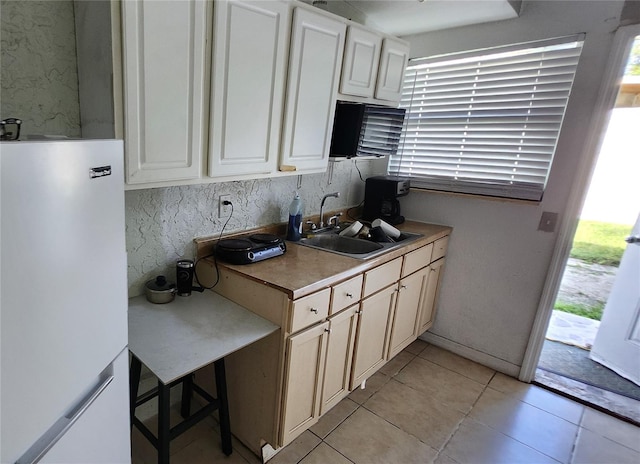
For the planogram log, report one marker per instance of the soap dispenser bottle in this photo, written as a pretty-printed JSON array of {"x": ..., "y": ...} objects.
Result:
[{"x": 294, "y": 229}]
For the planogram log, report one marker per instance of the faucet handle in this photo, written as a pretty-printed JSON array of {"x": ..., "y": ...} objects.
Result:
[
  {"x": 312, "y": 224},
  {"x": 335, "y": 218}
]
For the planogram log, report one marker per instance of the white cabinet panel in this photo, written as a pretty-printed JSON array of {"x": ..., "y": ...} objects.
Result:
[
  {"x": 361, "y": 59},
  {"x": 305, "y": 357},
  {"x": 315, "y": 62},
  {"x": 372, "y": 338},
  {"x": 340, "y": 343},
  {"x": 429, "y": 299},
  {"x": 164, "y": 51},
  {"x": 403, "y": 329},
  {"x": 248, "y": 80},
  {"x": 393, "y": 62}
]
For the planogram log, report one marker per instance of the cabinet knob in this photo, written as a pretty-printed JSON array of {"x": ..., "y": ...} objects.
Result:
[
  {"x": 349, "y": 295},
  {"x": 359, "y": 311},
  {"x": 327, "y": 330},
  {"x": 314, "y": 310},
  {"x": 402, "y": 287}
]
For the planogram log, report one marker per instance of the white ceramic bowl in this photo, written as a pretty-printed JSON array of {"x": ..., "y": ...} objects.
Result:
[{"x": 352, "y": 230}]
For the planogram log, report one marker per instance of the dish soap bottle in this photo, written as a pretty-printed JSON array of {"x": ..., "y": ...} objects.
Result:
[{"x": 294, "y": 229}]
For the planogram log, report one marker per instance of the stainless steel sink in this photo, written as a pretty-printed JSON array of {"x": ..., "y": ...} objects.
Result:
[
  {"x": 355, "y": 247},
  {"x": 338, "y": 243}
]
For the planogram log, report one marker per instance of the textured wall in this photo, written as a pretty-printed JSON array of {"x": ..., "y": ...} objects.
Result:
[
  {"x": 162, "y": 223},
  {"x": 38, "y": 66}
]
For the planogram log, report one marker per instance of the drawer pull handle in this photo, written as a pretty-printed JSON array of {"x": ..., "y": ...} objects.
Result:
[
  {"x": 349, "y": 295},
  {"x": 314, "y": 310}
]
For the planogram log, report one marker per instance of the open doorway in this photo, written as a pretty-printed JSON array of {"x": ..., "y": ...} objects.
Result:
[{"x": 610, "y": 210}]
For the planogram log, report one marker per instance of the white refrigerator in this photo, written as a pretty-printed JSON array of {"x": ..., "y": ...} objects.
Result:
[{"x": 63, "y": 314}]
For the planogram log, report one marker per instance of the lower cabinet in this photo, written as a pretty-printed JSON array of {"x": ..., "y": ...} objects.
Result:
[
  {"x": 430, "y": 296},
  {"x": 304, "y": 370},
  {"x": 405, "y": 317},
  {"x": 337, "y": 372},
  {"x": 372, "y": 338},
  {"x": 317, "y": 371},
  {"x": 332, "y": 340}
]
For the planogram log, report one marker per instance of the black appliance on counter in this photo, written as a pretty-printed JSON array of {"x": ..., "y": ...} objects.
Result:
[
  {"x": 249, "y": 249},
  {"x": 381, "y": 195},
  {"x": 362, "y": 129}
]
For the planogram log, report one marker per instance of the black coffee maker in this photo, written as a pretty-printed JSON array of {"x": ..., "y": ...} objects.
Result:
[{"x": 381, "y": 195}]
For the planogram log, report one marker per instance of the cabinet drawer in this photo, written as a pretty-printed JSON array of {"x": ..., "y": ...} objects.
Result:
[
  {"x": 382, "y": 276},
  {"x": 417, "y": 259},
  {"x": 346, "y": 293},
  {"x": 440, "y": 248},
  {"x": 310, "y": 309}
]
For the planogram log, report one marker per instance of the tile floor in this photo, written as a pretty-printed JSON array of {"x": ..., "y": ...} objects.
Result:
[{"x": 429, "y": 405}]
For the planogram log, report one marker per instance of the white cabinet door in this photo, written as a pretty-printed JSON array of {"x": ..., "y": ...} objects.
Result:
[
  {"x": 361, "y": 59},
  {"x": 248, "y": 80},
  {"x": 305, "y": 358},
  {"x": 315, "y": 61},
  {"x": 372, "y": 338},
  {"x": 340, "y": 343},
  {"x": 393, "y": 62},
  {"x": 405, "y": 318},
  {"x": 164, "y": 53},
  {"x": 428, "y": 303}
]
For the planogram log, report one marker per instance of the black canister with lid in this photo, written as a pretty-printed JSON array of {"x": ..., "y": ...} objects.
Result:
[{"x": 184, "y": 276}]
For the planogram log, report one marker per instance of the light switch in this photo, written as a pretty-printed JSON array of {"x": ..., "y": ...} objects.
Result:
[{"x": 548, "y": 221}]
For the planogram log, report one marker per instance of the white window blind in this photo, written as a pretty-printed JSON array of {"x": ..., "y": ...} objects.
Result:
[{"x": 486, "y": 122}]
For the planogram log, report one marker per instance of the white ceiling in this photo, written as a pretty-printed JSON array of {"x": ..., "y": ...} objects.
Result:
[{"x": 405, "y": 17}]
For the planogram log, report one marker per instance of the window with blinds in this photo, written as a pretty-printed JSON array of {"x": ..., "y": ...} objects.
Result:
[{"x": 486, "y": 122}]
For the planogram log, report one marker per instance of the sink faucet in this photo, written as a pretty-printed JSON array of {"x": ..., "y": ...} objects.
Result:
[{"x": 324, "y": 198}]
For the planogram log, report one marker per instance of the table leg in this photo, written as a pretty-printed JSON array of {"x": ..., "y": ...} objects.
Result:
[
  {"x": 223, "y": 409},
  {"x": 187, "y": 393},
  {"x": 163, "y": 423},
  {"x": 134, "y": 383}
]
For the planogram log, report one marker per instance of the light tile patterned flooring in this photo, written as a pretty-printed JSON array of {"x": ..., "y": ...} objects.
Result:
[{"x": 429, "y": 405}]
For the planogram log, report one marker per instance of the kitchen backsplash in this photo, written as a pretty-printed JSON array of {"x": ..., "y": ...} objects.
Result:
[{"x": 162, "y": 222}]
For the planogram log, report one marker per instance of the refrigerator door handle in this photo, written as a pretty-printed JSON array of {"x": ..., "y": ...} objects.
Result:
[{"x": 37, "y": 451}]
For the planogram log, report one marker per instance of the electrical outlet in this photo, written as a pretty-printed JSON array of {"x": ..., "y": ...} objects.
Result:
[
  {"x": 224, "y": 210},
  {"x": 548, "y": 221}
]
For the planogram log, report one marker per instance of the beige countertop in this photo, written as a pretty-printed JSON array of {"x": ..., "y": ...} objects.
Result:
[{"x": 303, "y": 270}]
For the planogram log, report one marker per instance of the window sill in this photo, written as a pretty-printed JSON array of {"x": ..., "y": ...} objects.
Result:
[{"x": 478, "y": 196}]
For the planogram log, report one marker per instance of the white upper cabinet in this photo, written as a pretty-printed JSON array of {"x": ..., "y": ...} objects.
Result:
[
  {"x": 165, "y": 90},
  {"x": 393, "y": 62},
  {"x": 315, "y": 62},
  {"x": 239, "y": 89},
  {"x": 374, "y": 66},
  {"x": 361, "y": 59},
  {"x": 248, "y": 81}
]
